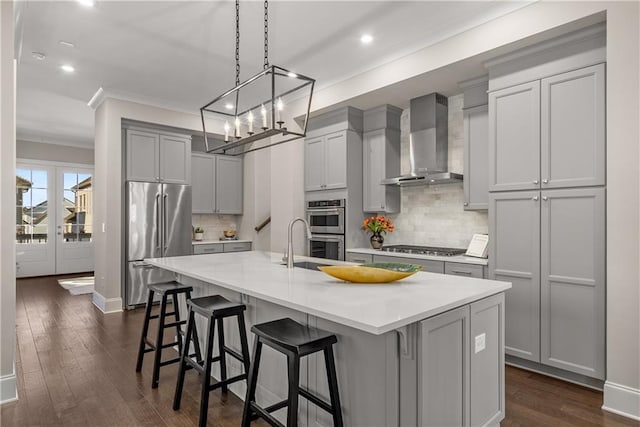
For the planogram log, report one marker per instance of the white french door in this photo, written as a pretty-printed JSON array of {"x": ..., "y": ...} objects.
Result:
[{"x": 54, "y": 219}]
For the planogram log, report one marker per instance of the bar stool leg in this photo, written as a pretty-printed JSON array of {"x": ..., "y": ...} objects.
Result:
[
  {"x": 159, "y": 340},
  {"x": 145, "y": 330},
  {"x": 182, "y": 364},
  {"x": 177, "y": 319},
  {"x": 294, "y": 390},
  {"x": 252, "y": 382},
  {"x": 243, "y": 343},
  {"x": 333, "y": 386},
  {"x": 223, "y": 355},
  {"x": 206, "y": 381},
  {"x": 196, "y": 342}
]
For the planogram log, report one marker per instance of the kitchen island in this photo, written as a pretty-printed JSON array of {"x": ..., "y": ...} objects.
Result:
[{"x": 427, "y": 350}]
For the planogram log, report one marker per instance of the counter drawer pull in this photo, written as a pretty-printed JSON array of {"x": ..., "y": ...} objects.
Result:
[
  {"x": 237, "y": 247},
  {"x": 462, "y": 272},
  {"x": 359, "y": 260},
  {"x": 212, "y": 250}
]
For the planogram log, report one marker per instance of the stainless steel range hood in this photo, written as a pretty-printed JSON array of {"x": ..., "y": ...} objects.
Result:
[{"x": 428, "y": 144}]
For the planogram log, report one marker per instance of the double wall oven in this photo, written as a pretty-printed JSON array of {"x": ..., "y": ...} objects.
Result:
[{"x": 327, "y": 221}]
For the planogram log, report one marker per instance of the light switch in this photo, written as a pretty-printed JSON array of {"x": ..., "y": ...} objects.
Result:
[{"x": 480, "y": 342}]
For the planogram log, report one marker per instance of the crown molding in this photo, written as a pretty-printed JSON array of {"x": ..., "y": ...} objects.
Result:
[{"x": 103, "y": 93}]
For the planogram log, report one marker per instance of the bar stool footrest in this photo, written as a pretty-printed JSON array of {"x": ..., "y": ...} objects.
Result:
[
  {"x": 315, "y": 399},
  {"x": 169, "y": 362},
  {"x": 262, "y": 413},
  {"x": 174, "y": 324},
  {"x": 228, "y": 381},
  {"x": 152, "y": 345},
  {"x": 233, "y": 353}
]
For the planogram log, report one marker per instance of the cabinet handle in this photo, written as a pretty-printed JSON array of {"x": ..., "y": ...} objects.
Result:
[
  {"x": 358, "y": 260},
  {"x": 466, "y": 204},
  {"x": 545, "y": 181},
  {"x": 468, "y": 273},
  {"x": 545, "y": 198},
  {"x": 535, "y": 198},
  {"x": 535, "y": 181},
  {"x": 211, "y": 250}
]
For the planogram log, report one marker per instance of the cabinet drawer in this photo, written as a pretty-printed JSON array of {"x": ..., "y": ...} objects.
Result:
[
  {"x": 237, "y": 247},
  {"x": 461, "y": 269},
  {"x": 360, "y": 258},
  {"x": 214, "y": 248},
  {"x": 427, "y": 264}
]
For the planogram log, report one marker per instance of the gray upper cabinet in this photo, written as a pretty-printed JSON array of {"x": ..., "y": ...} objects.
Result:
[
  {"x": 573, "y": 128},
  {"x": 380, "y": 158},
  {"x": 549, "y": 133},
  {"x": 476, "y": 158},
  {"x": 229, "y": 190},
  {"x": 158, "y": 156},
  {"x": 514, "y": 138},
  {"x": 326, "y": 162},
  {"x": 216, "y": 183},
  {"x": 203, "y": 175},
  {"x": 514, "y": 245},
  {"x": 573, "y": 280}
]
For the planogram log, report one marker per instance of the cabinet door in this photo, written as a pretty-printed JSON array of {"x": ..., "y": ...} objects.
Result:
[
  {"x": 314, "y": 159},
  {"x": 175, "y": 159},
  {"x": 573, "y": 128},
  {"x": 208, "y": 248},
  {"x": 514, "y": 239},
  {"x": 373, "y": 166},
  {"x": 335, "y": 160},
  {"x": 229, "y": 187},
  {"x": 476, "y": 158},
  {"x": 573, "y": 280},
  {"x": 514, "y": 138},
  {"x": 203, "y": 184},
  {"x": 359, "y": 258},
  {"x": 443, "y": 369},
  {"x": 143, "y": 156},
  {"x": 487, "y": 361}
]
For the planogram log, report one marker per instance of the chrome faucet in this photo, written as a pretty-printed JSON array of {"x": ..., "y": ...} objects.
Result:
[{"x": 289, "y": 240}]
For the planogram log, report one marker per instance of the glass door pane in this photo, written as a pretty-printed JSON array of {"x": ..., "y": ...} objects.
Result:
[
  {"x": 77, "y": 207},
  {"x": 32, "y": 207}
]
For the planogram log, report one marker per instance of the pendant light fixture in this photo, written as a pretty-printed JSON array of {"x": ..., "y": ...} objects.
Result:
[{"x": 259, "y": 112}]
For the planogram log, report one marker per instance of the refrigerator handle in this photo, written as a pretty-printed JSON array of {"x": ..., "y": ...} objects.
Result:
[
  {"x": 164, "y": 223},
  {"x": 158, "y": 244}
]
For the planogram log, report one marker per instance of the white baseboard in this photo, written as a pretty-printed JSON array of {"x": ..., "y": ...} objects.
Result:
[
  {"x": 107, "y": 305},
  {"x": 622, "y": 400},
  {"x": 8, "y": 388}
]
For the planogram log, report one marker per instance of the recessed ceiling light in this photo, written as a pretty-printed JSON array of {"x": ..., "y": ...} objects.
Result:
[
  {"x": 87, "y": 3},
  {"x": 366, "y": 38},
  {"x": 67, "y": 68},
  {"x": 38, "y": 55},
  {"x": 293, "y": 75},
  {"x": 229, "y": 106},
  {"x": 66, "y": 43}
]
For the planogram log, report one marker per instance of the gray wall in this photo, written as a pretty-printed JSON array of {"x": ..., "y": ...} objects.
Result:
[
  {"x": 53, "y": 152},
  {"x": 434, "y": 215}
]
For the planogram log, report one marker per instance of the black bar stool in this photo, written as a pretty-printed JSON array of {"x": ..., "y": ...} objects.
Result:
[
  {"x": 295, "y": 341},
  {"x": 215, "y": 308},
  {"x": 172, "y": 289}
]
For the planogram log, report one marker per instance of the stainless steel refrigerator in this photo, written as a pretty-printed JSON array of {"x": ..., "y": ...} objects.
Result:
[{"x": 158, "y": 224}]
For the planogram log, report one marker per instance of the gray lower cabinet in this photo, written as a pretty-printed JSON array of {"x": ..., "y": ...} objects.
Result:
[
  {"x": 476, "y": 158},
  {"x": 572, "y": 291},
  {"x": 156, "y": 156},
  {"x": 550, "y": 246},
  {"x": 218, "y": 248},
  {"x": 461, "y": 366},
  {"x": 360, "y": 258},
  {"x": 465, "y": 270},
  {"x": 236, "y": 246},
  {"x": 428, "y": 265},
  {"x": 217, "y": 184}
]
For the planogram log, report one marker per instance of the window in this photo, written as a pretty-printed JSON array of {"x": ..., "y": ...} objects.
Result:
[{"x": 32, "y": 210}]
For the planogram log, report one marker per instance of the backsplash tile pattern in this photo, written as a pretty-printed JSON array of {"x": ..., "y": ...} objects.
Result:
[
  {"x": 214, "y": 225},
  {"x": 435, "y": 215}
]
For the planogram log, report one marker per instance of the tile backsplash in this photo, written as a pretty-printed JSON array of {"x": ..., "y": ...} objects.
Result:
[
  {"x": 214, "y": 225},
  {"x": 435, "y": 215}
]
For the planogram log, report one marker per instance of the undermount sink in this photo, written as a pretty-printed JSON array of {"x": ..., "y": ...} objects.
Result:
[{"x": 309, "y": 265}]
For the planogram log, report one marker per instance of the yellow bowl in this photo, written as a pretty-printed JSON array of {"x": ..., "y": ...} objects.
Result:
[{"x": 371, "y": 273}]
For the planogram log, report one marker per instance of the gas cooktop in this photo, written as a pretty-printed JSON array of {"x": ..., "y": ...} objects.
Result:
[{"x": 423, "y": 250}]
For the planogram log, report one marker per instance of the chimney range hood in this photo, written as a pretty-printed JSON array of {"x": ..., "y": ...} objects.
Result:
[{"x": 428, "y": 144}]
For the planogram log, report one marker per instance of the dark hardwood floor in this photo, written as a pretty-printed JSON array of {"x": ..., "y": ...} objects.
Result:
[{"x": 76, "y": 366}]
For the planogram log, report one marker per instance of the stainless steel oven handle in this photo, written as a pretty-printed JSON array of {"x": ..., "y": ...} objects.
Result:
[
  {"x": 323, "y": 211},
  {"x": 327, "y": 239}
]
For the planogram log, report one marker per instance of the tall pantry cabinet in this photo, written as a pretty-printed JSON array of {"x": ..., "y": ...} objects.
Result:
[{"x": 547, "y": 203}]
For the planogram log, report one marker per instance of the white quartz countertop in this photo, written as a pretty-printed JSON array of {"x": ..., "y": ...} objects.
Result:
[
  {"x": 373, "y": 308},
  {"x": 456, "y": 258},
  {"x": 208, "y": 242}
]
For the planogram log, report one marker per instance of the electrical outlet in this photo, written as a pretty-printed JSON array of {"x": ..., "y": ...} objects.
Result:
[{"x": 481, "y": 342}]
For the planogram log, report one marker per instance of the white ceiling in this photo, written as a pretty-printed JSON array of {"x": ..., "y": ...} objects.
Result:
[{"x": 180, "y": 54}]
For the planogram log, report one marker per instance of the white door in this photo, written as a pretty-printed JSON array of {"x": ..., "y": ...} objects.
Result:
[
  {"x": 35, "y": 207},
  {"x": 74, "y": 225}
]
